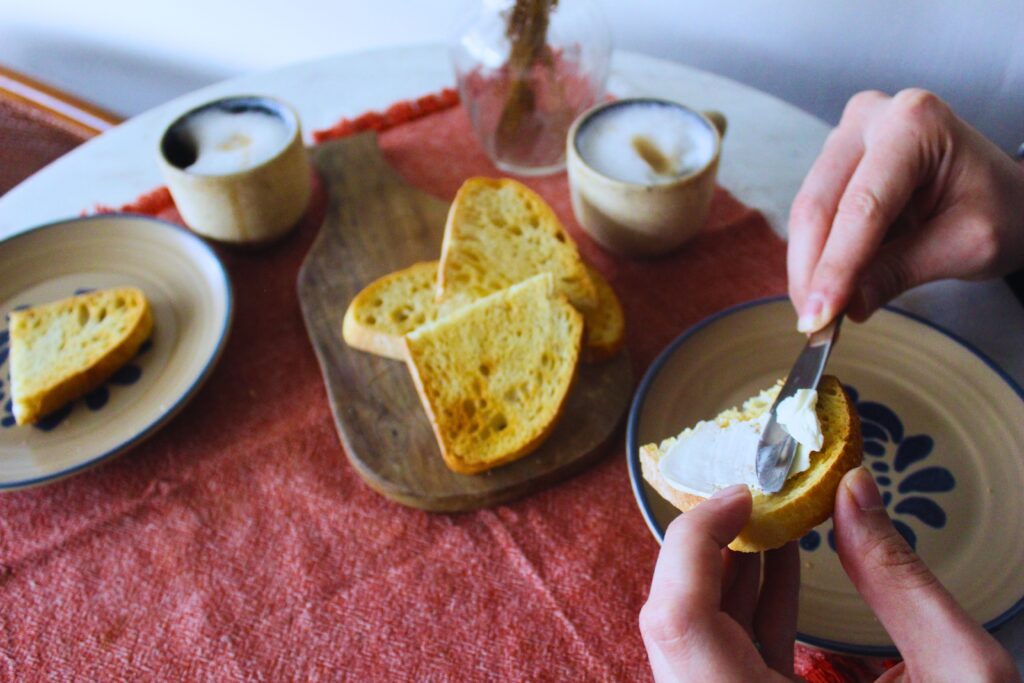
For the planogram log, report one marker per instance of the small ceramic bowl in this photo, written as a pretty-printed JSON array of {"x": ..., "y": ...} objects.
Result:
[
  {"x": 643, "y": 219},
  {"x": 254, "y": 205}
]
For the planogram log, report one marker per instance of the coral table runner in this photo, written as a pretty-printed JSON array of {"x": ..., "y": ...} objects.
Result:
[{"x": 238, "y": 544}]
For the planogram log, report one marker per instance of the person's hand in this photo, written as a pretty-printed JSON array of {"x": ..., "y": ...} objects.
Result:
[
  {"x": 936, "y": 638},
  {"x": 705, "y": 610},
  {"x": 903, "y": 193},
  {"x": 708, "y": 605}
]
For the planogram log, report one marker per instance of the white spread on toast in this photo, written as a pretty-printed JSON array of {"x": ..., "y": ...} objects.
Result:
[
  {"x": 715, "y": 454},
  {"x": 797, "y": 416}
]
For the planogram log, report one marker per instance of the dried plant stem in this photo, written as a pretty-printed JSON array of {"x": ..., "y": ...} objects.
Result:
[{"x": 527, "y": 30}]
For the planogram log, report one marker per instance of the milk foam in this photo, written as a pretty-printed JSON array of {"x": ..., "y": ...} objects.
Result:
[
  {"x": 613, "y": 140},
  {"x": 229, "y": 142}
]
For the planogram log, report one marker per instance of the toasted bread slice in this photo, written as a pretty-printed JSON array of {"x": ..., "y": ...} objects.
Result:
[
  {"x": 807, "y": 499},
  {"x": 394, "y": 305},
  {"x": 391, "y": 307},
  {"x": 500, "y": 232},
  {"x": 605, "y": 323},
  {"x": 493, "y": 376},
  {"x": 64, "y": 349}
]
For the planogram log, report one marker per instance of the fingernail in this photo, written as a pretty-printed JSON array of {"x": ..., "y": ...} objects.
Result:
[
  {"x": 730, "y": 492},
  {"x": 863, "y": 489},
  {"x": 814, "y": 315}
]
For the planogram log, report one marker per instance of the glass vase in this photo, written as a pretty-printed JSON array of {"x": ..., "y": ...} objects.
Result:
[{"x": 525, "y": 70}]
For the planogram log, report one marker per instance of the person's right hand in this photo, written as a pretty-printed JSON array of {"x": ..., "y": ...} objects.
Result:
[
  {"x": 903, "y": 192},
  {"x": 937, "y": 639}
]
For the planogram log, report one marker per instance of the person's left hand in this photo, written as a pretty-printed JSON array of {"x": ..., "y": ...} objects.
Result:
[{"x": 707, "y": 606}]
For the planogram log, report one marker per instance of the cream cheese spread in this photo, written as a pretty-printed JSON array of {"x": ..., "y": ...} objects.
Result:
[
  {"x": 797, "y": 416},
  {"x": 715, "y": 454}
]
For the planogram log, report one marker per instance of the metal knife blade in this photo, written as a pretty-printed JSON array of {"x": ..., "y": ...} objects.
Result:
[{"x": 776, "y": 448}]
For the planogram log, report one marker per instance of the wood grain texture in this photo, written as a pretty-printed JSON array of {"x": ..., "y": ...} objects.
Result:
[{"x": 376, "y": 224}]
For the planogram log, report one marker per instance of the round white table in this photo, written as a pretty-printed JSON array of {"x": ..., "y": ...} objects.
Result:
[{"x": 768, "y": 149}]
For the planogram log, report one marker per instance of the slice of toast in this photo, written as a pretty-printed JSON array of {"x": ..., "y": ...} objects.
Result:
[
  {"x": 64, "y": 349},
  {"x": 392, "y": 306},
  {"x": 500, "y": 232},
  {"x": 807, "y": 499},
  {"x": 389, "y": 308},
  {"x": 493, "y": 376},
  {"x": 605, "y": 323}
]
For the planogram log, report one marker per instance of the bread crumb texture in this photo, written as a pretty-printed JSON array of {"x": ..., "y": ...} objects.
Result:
[
  {"x": 495, "y": 374},
  {"x": 500, "y": 232},
  {"x": 64, "y": 349}
]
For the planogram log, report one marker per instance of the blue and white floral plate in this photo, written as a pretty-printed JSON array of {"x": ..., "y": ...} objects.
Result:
[
  {"x": 943, "y": 434},
  {"x": 192, "y": 303}
]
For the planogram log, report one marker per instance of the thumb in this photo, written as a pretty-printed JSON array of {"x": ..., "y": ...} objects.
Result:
[
  {"x": 925, "y": 622},
  {"x": 888, "y": 276}
]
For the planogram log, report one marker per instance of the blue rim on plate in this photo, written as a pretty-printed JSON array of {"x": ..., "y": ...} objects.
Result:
[
  {"x": 165, "y": 416},
  {"x": 637, "y": 480}
]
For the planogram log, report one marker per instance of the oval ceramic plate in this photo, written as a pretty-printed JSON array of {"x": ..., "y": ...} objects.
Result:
[
  {"x": 192, "y": 303},
  {"x": 943, "y": 434}
]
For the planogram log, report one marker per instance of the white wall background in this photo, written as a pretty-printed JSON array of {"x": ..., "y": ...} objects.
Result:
[{"x": 129, "y": 55}]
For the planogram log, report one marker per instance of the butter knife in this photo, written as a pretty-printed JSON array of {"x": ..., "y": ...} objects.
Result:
[{"x": 776, "y": 448}]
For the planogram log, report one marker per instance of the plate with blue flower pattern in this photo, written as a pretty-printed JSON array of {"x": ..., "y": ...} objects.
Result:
[
  {"x": 190, "y": 294},
  {"x": 943, "y": 431}
]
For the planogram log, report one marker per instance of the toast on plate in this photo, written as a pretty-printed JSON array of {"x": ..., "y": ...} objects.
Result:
[
  {"x": 808, "y": 498},
  {"x": 67, "y": 348}
]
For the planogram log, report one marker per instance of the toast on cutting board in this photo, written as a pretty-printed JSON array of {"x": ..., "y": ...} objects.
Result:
[
  {"x": 392, "y": 306},
  {"x": 389, "y": 308},
  {"x": 494, "y": 375},
  {"x": 65, "y": 349},
  {"x": 807, "y": 498},
  {"x": 500, "y": 232}
]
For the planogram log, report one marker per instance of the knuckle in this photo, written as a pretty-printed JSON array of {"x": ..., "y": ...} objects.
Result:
[
  {"x": 660, "y": 625},
  {"x": 863, "y": 101},
  {"x": 920, "y": 106},
  {"x": 806, "y": 211},
  {"x": 896, "y": 564},
  {"x": 860, "y": 207},
  {"x": 984, "y": 245}
]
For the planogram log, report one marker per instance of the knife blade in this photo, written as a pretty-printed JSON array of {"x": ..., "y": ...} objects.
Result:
[{"x": 776, "y": 448}]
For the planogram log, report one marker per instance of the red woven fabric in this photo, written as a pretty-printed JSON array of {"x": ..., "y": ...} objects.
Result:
[{"x": 238, "y": 544}]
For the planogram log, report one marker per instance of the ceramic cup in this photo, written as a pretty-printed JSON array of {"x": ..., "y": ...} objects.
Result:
[
  {"x": 247, "y": 204},
  {"x": 644, "y": 218}
]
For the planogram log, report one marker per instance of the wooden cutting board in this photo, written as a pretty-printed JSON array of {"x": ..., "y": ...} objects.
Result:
[{"x": 376, "y": 224}]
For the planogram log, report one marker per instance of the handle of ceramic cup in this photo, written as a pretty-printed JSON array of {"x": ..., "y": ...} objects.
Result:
[{"x": 718, "y": 120}]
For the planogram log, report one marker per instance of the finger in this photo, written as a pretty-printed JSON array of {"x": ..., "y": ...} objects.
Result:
[
  {"x": 810, "y": 217},
  {"x": 924, "y": 620},
  {"x": 729, "y": 569},
  {"x": 687, "y": 581},
  {"x": 775, "y": 618},
  {"x": 815, "y": 204},
  {"x": 894, "y": 675},
  {"x": 740, "y": 599},
  {"x": 952, "y": 244},
  {"x": 885, "y": 179}
]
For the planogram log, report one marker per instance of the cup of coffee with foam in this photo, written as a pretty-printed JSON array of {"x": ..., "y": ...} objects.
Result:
[
  {"x": 642, "y": 173},
  {"x": 237, "y": 169}
]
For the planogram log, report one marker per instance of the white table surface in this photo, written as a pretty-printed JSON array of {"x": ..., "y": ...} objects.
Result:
[{"x": 768, "y": 149}]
